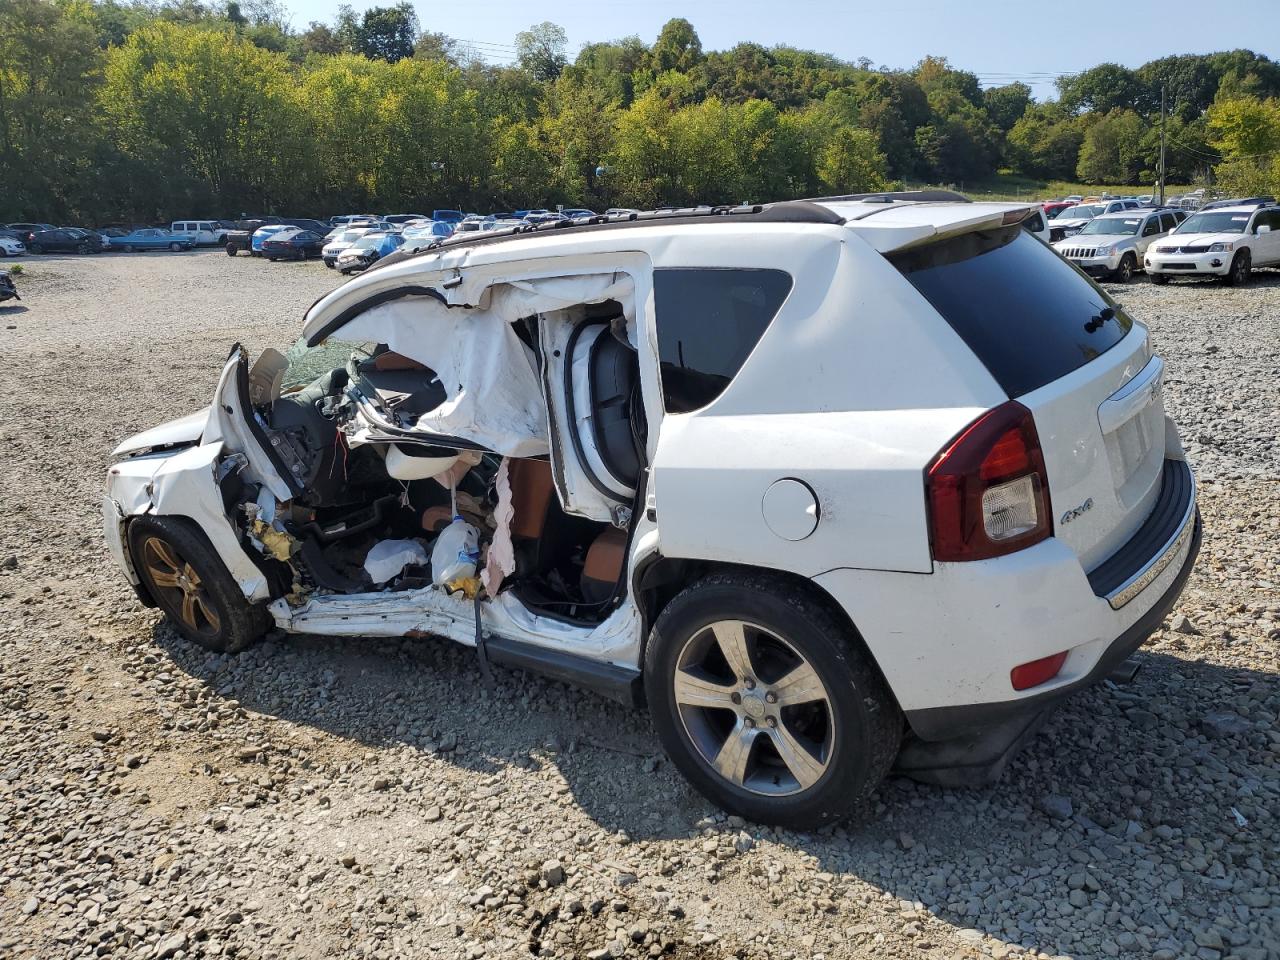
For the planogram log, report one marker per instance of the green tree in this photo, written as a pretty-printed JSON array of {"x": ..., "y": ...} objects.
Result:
[
  {"x": 49, "y": 67},
  {"x": 388, "y": 33},
  {"x": 851, "y": 162},
  {"x": 1006, "y": 105},
  {"x": 540, "y": 50},
  {"x": 1101, "y": 89},
  {"x": 1111, "y": 151},
  {"x": 677, "y": 48}
]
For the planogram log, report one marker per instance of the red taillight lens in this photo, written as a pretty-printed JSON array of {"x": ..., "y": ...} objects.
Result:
[
  {"x": 1028, "y": 675},
  {"x": 988, "y": 491}
]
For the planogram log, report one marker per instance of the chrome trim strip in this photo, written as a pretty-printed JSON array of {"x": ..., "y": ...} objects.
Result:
[
  {"x": 1123, "y": 405},
  {"x": 1157, "y": 564}
]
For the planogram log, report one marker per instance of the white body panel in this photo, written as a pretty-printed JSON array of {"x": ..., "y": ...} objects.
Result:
[{"x": 854, "y": 387}]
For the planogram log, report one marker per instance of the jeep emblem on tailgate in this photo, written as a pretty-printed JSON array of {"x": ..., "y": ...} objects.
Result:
[{"x": 1077, "y": 511}]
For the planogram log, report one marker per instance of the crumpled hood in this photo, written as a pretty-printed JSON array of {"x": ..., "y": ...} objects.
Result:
[
  {"x": 1070, "y": 222},
  {"x": 184, "y": 430}
]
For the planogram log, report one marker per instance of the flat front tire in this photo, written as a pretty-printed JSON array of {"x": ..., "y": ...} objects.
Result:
[
  {"x": 767, "y": 702},
  {"x": 189, "y": 582}
]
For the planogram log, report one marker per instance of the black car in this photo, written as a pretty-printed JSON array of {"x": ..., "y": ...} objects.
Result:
[
  {"x": 65, "y": 240},
  {"x": 25, "y": 230},
  {"x": 292, "y": 245},
  {"x": 7, "y": 290}
]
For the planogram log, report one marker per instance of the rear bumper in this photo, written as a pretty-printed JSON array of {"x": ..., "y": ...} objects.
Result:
[{"x": 983, "y": 738}]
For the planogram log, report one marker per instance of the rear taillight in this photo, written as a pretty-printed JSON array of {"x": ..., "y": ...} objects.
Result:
[{"x": 988, "y": 491}]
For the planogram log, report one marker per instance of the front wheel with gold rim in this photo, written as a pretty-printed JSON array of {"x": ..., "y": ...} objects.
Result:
[{"x": 187, "y": 580}]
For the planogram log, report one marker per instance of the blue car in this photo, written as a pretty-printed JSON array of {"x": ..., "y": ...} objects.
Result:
[
  {"x": 152, "y": 238},
  {"x": 421, "y": 234},
  {"x": 448, "y": 216},
  {"x": 264, "y": 231},
  {"x": 368, "y": 250}
]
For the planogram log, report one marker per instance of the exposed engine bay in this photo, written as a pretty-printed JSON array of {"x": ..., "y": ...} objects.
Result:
[{"x": 386, "y": 502}]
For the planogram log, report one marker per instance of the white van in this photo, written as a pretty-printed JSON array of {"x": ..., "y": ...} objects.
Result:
[{"x": 201, "y": 231}]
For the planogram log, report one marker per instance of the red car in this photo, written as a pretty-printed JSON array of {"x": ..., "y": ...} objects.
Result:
[{"x": 1053, "y": 206}]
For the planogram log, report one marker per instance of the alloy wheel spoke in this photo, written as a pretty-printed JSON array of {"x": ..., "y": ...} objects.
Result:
[
  {"x": 193, "y": 578},
  {"x": 804, "y": 766},
  {"x": 731, "y": 761},
  {"x": 732, "y": 640},
  {"x": 695, "y": 691},
  {"x": 164, "y": 554},
  {"x": 801, "y": 685},
  {"x": 189, "y": 610},
  {"x": 163, "y": 576},
  {"x": 206, "y": 608}
]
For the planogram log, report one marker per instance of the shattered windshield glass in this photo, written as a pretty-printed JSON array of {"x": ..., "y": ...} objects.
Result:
[{"x": 307, "y": 363}]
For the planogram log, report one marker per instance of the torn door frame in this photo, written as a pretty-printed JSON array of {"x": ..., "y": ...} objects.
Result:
[{"x": 504, "y": 291}]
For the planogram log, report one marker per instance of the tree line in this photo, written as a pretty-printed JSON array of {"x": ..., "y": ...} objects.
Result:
[{"x": 117, "y": 110}]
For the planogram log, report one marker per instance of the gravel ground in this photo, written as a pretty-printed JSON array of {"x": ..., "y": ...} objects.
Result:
[{"x": 318, "y": 797}]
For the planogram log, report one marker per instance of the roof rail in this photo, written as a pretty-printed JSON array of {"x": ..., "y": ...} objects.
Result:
[
  {"x": 916, "y": 196},
  {"x": 785, "y": 211}
]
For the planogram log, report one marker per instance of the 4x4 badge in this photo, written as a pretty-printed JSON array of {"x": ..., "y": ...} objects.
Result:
[{"x": 1077, "y": 511}]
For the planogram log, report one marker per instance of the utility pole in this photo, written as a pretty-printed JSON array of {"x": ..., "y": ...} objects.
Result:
[{"x": 1162, "y": 144}]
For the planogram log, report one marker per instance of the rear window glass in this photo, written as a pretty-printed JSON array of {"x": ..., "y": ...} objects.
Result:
[
  {"x": 1027, "y": 314},
  {"x": 709, "y": 321}
]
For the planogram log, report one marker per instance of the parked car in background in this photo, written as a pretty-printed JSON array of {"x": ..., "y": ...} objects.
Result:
[
  {"x": 1052, "y": 208},
  {"x": 11, "y": 247},
  {"x": 347, "y": 218},
  {"x": 260, "y": 235},
  {"x": 152, "y": 238},
  {"x": 86, "y": 232},
  {"x": 12, "y": 234},
  {"x": 8, "y": 290},
  {"x": 578, "y": 213},
  {"x": 335, "y": 245},
  {"x": 403, "y": 217},
  {"x": 1240, "y": 202},
  {"x": 25, "y": 230},
  {"x": 64, "y": 240},
  {"x": 368, "y": 250},
  {"x": 419, "y": 235},
  {"x": 1072, "y": 219},
  {"x": 293, "y": 244},
  {"x": 621, "y": 212},
  {"x": 1226, "y": 242},
  {"x": 201, "y": 232},
  {"x": 1112, "y": 245},
  {"x": 447, "y": 216}
]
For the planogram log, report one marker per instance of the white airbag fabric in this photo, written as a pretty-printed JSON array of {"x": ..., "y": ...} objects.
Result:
[{"x": 491, "y": 382}]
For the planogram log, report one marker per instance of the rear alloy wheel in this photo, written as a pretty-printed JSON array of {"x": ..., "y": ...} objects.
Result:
[
  {"x": 35, "y": 248},
  {"x": 128, "y": 248},
  {"x": 1124, "y": 273},
  {"x": 83, "y": 248},
  {"x": 766, "y": 703},
  {"x": 188, "y": 581},
  {"x": 175, "y": 247},
  {"x": 1241, "y": 267}
]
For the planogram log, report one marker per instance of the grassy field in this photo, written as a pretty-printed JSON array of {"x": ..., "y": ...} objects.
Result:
[{"x": 1007, "y": 186}]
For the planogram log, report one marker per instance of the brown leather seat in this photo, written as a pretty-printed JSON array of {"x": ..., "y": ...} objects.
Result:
[
  {"x": 605, "y": 559},
  {"x": 532, "y": 490}
]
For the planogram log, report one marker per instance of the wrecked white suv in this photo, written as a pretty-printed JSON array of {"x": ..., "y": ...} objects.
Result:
[{"x": 830, "y": 485}]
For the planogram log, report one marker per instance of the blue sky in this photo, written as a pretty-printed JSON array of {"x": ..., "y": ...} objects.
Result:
[{"x": 1000, "y": 40}]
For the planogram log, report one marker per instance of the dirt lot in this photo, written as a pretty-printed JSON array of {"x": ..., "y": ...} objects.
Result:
[{"x": 323, "y": 798}]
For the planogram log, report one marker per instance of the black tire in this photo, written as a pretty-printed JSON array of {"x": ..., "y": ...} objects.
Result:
[
  {"x": 1241, "y": 267},
  {"x": 859, "y": 712},
  {"x": 217, "y": 617},
  {"x": 83, "y": 248},
  {"x": 35, "y": 248},
  {"x": 175, "y": 247},
  {"x": 232, "y": 249},
  {"x": 1124, "y": 273},
  {"x": 1159, "y": 279},
  {"x": 128, "y": 248}
]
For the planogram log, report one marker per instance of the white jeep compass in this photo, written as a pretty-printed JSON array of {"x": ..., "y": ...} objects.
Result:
[{"x": 831, "y": 486}]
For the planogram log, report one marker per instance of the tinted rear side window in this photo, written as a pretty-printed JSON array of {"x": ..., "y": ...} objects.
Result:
[
  {"x": 1027, "y": 314},
  {"x": 708, "y": 322}
]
